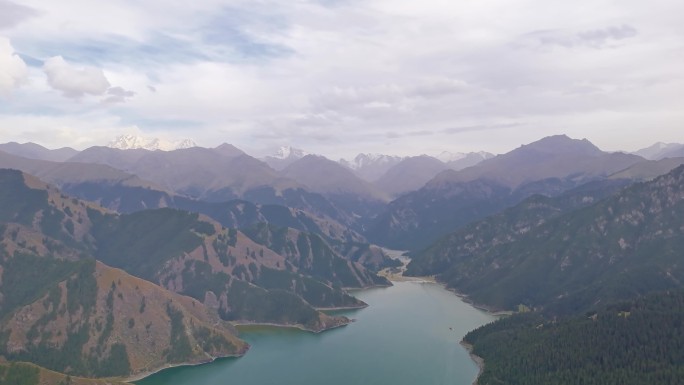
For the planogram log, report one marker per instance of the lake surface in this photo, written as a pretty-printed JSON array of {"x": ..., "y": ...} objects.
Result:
[{"x": 408, "y": 335}]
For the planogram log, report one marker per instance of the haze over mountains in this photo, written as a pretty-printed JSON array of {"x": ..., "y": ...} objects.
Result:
[
  {"x": 225, "y": 237},
  {"x": 661, "y": 150}
]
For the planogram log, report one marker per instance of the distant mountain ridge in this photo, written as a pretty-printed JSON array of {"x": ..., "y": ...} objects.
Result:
[
  {"x": 410, "y": 174},
  {"x": 370, "y": 167},
  {"x": 284, "y": 156},
  {"x": 132, "y": 142},
  {"x": 460, "y": 160},
  {"x": 36, "y": 151},
  {"x": 661, "y": 150},
  {"x": 452, "y": 199},
  {"x": 618, "y": 248}
]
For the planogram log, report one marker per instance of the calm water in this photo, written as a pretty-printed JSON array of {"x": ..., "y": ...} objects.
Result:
[{"x": 403, "y": 337}]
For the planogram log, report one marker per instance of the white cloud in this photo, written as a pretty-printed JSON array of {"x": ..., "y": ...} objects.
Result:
[
  {"x": 12, "y": 68},
  {"x": 338, "y": 79},
  {"x": 73, "y": 81}
]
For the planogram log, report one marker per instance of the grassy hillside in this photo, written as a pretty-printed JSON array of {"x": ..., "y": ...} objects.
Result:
[
  {"x": 87, "y": 319},
  {"x": 61, "y": 309},
  {"x": 312, "y": 255},
  {"x": 198, "y": 257}
]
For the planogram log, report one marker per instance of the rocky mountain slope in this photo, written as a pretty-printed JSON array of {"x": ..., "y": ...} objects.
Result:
[
  {"x": 213, "y": 175},
  {"x": 370, "y": 167},
  {"x": 455, "y": 198},
  {"x": 409, "y": 175},
  {"x": 203, "y": 173},
  {"x": 24, "y": 373},
  {"x": 621, "y": 247},
  {"x": 61, "y": 309},
  {"x": 139, "y": 322},
  {"x": 284, "y": 157},
  {"x": 312, "y": 255},
  {"x": 351, "y": 194}
]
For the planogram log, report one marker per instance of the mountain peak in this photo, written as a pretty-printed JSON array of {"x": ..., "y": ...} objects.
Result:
[
  {"x": 448, "y": 156},
  {"x": 130, "y": 142},
  {"x": 658, "y": 151},
  {"x": 284, "y": 156},
  {"x": 288, "y": 152},
  {"x": 227, "y": 149},
  {"x": 371, "y": 160},
  {"x": 563, "y": 144}
]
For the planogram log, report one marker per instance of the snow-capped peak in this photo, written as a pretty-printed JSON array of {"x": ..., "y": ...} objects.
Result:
[
  {"x": 447, "y": 156},
  {"x": 287, "y": 152},
  {"x": 364, "y": 160},
  {"x": 130, "y": 142}
]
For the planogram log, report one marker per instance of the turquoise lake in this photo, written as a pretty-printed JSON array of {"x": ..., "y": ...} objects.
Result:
[{"x": 408, "y": 335}]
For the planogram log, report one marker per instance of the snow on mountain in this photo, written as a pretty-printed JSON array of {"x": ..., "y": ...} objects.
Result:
[
  {"x": 130, "y": 142},
  {"x": 286, "y": 152},
  {"x": 284, "y": 156},
  {"x": 371, "y": 166},
  {"x": 447, "y": 156},
  {"x": 370, "y": 160},
  {"x": 658, "y": 151}
]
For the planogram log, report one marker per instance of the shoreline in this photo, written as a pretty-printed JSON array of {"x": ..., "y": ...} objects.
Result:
[
  {"x": 479, "y": 361},
  {"x": 392, "y": 277},
  {"x": 487, "y": 309},
  {"x": 340, "y": 308},
  {"x": 238, "y": 325},
  {"x": 143, "y": 375},
  {"x": 398, "y": 276}
]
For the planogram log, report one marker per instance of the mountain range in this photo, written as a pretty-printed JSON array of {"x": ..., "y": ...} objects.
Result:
[
  {"x": 452, "y": 199},
  {"x": 168, "y": 277},
  {"x": 132, "y": 142},
  {"x": 568, "y": 253},
  {"x": 120, "y": 261},
  {"x": 662, "y": 150}
]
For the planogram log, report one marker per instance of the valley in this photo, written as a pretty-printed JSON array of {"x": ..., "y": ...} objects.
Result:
[
  {"x": 408, "y": 334},
  {"x": 152, "y": 259}
]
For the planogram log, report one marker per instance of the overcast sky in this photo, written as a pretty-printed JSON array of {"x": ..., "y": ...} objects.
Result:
[{"x": 339, "y": 77}]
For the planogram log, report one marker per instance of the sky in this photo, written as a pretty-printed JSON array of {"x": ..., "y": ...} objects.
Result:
[{"x": 340, "y": 77}]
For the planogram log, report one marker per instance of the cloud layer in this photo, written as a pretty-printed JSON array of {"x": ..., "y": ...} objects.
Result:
[{"x": 345, "y": 76}]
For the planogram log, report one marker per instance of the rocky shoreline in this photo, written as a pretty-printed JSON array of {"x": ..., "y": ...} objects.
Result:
[
  {"x": 146, "y": 374},
  {"x": 477, "y": 359}
]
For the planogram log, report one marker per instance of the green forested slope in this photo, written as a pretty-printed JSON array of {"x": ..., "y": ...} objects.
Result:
[
  {"x": 626, "y": 245},
  {"x": 634, "y": 343}
]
